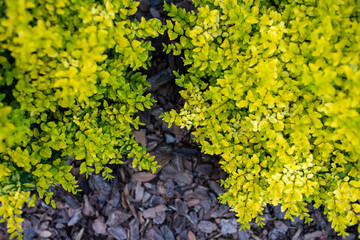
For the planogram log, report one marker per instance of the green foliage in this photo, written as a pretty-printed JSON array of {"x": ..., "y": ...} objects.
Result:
[
  {"x": 68, "y": 87},
  {"x": 274, "y": 88}
]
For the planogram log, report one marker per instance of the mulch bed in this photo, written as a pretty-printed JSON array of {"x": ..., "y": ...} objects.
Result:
[{"x": 178, "y": 202}]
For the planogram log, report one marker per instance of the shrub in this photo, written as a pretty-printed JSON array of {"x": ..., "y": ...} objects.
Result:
[
  {"x": 69, "y": 86},
  {"x": 273, "y": 87}
]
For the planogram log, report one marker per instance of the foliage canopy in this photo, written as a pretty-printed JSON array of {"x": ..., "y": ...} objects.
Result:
[
  {"x": 69, "y": 87},
  {"x": 273, "y": 87}
]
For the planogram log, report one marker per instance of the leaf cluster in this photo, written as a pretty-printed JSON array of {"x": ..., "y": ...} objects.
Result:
[
  {"x": 69, "y": 87},
  {"x": 273, "y": 87}
]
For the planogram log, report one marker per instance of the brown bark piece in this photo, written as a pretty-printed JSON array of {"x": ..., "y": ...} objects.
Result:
[{"x": 143, "y": 176}]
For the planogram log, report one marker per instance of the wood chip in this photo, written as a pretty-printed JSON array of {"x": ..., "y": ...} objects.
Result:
[
  {"x": 154, "y": 212},
  {"x": 181, "y": 207},
  {"x": 169, "y": 188},
  {"x": 207, "y": 227},
  {"x": 45, "y": 234},
  {"x": 220, "y": 212},
  {"x": 179, "y": 132},
  {"x": 162, "y": 161},
  {"x": 191, "y": 235},
  {"x": 297, "y": 234},
  {"x": 179, "y": 223},
  {"x": 87, "y": 209},
  {"x": 140, "y": 137},
  {"x": 71, "y": 200},
  {"x": 281, "y": 227},
  {"x": 80, "y": 234},
  {"x": 146, "y": 197},
  {"x": 161, "y": 188},
  {"x": 102, "y": 187},
  {"x": 143, "y": 176},
  {"x": 167, "y": 233},
  {"x": 215, "y": 187},
  {"x": 134, "y": 229},
  {"x": 75, "y": 218},
  {"x": 99, "y": 226},
  {"x": 205, "y": 169},
  {"x": 132, "y": 210},
  {"x": 151, "y": 146},
  {"x": 139, "y": 192},
  {"x": 256, "y": 237},
  {"x": 118, "y": 232},
  {"x": 154, "y": 233},
  {"x": 160, "y": 78},
  {"x": 313, "y": 235},
  {"x": 228, "y": 226},
  {"x": 172, "y": 173},
  {"x": 149, "y": 213},
  {"x": 193, "y": 202},
  {"x": 117, "y": 217}
]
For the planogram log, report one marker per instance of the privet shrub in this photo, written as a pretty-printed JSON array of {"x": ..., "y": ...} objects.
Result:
[
  {"x": 273, "y": 87},
  {"x": 68, "y": 87}
]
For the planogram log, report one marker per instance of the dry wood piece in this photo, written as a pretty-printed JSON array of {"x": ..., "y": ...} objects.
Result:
[
  {"x": 207, "y": 226},
  {"x": 167, "y": 233},
  {"x": 140, "y": 137},
  {"x": 314, "y": 235},
  {"x": 80, "y": 234},
  {"x": 101, "y": 186},
  {"x": 151, "y": 146},
  {"x": 134, "y": 229},
  {"x": 139, "y": 192},
  {"x": 45, "y": 234},
  {"x": 245, "y": 234},
  {"x": 118, "y": 232},
  {"x": 153, "y": 212},
  {"x": 205, "y": 169},
  {"x": 70, "y": 200},
  {"x": 162, "y": 162},
  {"x": 297, "y": 234},
  {"x": 154, "y": 13},
  {"x": 281, "y": 227},
  {"x": 181, "y": 207},
  {"x": 228, "y": 226},
  {"x": 220, "y": 212},
  {"x": 154, "y": 233},
  {"x": 193, "y": 202},
  {"x": 99, "y": 226},
  {"x": 87, "y": 209},
  {"x": 256, "y": 237},
  {"x": 143, "y": 176},
  {"x": 161, "y": 188},
  {"x": 172, "y": 173},
  {"x": 156, "y": 200},
  {"x": 191, "y": 235},
  {"x": 179, "y": 224},
  {"x": 215, "y": 187},
  {"x": 169, "y": 188},
  {"x": 160, "y": 79},
  {"x": 187, "y": 152},
  {"x": 117, "y": 217},
  {"x": 75, "y": 218}
]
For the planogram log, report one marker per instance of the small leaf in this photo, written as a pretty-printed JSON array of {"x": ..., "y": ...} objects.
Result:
[
  {"x": 172, "y": 35},
  {"x": 83, "y": 168},
  {"x": 45, "y": 152}
]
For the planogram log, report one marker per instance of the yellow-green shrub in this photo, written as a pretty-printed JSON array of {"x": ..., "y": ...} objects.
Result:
[
  {"x": 68, "y": 87},
  {"x": 274, "y": 88}
]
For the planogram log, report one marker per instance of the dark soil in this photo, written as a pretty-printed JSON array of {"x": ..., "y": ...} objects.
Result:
[{"x": 178, "y": 202}]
